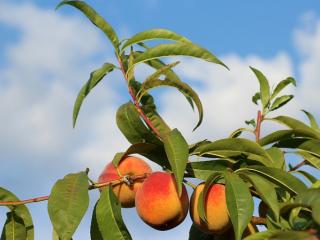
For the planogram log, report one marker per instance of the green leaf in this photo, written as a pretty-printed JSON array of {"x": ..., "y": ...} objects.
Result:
[
  {"x": 237, "y": 146},
  {"x": 236, "y": 133},
  {"x": 153, "y": 81},
  {"x": 132, "y": 127},
  {"x": 153, "y": 152},
  {"x": 177, "y": 151},
  {"x": 311, "y": 159},
  {"x": 281, "y": 85},
  {"x": 281, "y": 178},
  {"x": 311, "y": 146},
  {"x": 239, "y": 203},
  {"x": 55, "y": 235},
  {"x": 154, "y": 34},
  {"x": 212, "y": 179},
  {"x": 280, "y": 235},
  {"x": 251, "y": 122},
  {"x": 307, "y": 175},
  {"x": 264, "y": 87},
  {"x": 95, "y": 77},
  {"x": 14, "y": 228},
  {"x": 280, "y": 101},
  {"x": 21, "y": 211},
  {"x": 256, "y": 97},
  {"x": 312, "y": 120},
  {"x": 196, "y": 234},
  {"x": 278, "y": 157},
  {"x": 202, "y": 170},
  {"x": 177, "y": 49},
  {"x": 67, "y": 204},
  {"x": 107, "y": 223},
  {"x": 286, "y": 134},
  {"x": 95, "y": 18},
  {"x": 265, "y": 190}
]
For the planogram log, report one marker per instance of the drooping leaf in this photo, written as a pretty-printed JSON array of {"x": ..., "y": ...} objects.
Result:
[
  {"x": 311, "y": 146},
  {"x": 278, "y": 157},
  {"x": 21, "y": 211},
  {"x": 202, "y": 170},
  {"x": 237, "y": 146},
  {"x": 153, "y": 152},
  {"x": 14, "y": 228},
  {"x": 177, "y": 49},
  {"x": 212, "y": 179},
  {"x": 154, "y": 34},
  {"x": 280, "y": 101},
  {"x": 312, "y": 120},
  {"x": 130, "y": 124},
  {"x": 177, "y": 151},
  {"x": 196, "y": 234},
  {"x": 281, "y": 85},
  {"x": 311, "y": 159},
  {"x": 239, "y": 203},
  {"x": 67, "y": 204},
  {"x": 265, "y": 190},
  {"x": 264, "y": 87},
  {"x": 286, "y": 134},
  {"x": 307, "y": 175},
  {"x": 95, "y": 77},
  {"x": 107, "y": 223},
  {"x": 95, "y": 18},
  {"x": 184, "y": 88},
  {"x": 281, "y": 178},
  {"x": 281, "y": 235}
]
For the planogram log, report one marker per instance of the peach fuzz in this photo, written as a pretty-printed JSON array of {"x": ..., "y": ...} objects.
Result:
[
  {"x": 127, "y": 166},
  {"x": 158, "y": 202},
  {"x": 218, "y": 220}
]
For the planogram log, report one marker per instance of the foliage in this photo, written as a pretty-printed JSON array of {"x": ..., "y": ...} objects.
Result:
[{"x": 250, "y": 169}]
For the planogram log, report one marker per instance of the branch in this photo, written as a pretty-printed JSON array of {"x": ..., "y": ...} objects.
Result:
[
  {"x": 298, "y": 166},
  {"x": 258, "y": 220},
  {"x": 125, "y": 179},
  {"x": 137, "y": 104},
  {"x": 258, "y": 127}
]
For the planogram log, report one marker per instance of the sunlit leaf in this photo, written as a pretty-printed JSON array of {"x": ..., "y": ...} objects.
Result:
[
  {"x": 312, "y": 120},
  {"x": 95, "y": 18},
  {"x": 281, "y": 85},
  {"x": 280, "y": 101},
  {"x": 264, "y": 87},
  {"x": 67, "y": 204},
  {"x": 14, "y": 228},
  {"x": 95, "y": 77},
  {"x": 202, "y": 170}
]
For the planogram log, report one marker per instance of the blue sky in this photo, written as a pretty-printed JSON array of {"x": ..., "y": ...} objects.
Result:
[{"x": 46, "y": 55}]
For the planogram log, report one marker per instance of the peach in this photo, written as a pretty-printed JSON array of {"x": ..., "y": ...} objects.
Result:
[
  {"x": 158, "y": 203},
  {"x": 215, "y": 206},
  {"x": 127, "y": 166}
]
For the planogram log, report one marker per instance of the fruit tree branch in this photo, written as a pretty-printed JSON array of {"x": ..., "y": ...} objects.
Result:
[
  {"x": 258, "y": 220},
  {"x": 258, "y": 127},
  {"x": 298, "y": 166}
]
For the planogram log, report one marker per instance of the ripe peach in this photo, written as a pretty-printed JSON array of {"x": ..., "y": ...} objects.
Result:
[
  {"x": 215, "y": 206},
  {"x": 158, "y": 202},
  {"x": 127, "y": 166}
]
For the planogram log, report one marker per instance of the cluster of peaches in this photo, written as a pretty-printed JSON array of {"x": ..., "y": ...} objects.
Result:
[{"x": 157, "y": 201}]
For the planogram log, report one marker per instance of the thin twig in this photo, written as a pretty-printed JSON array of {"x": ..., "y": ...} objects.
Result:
[
  {"x": 299, "y": 165},
  {"x": 258, "y": 127},
  {"x": 258, "y": 220}
]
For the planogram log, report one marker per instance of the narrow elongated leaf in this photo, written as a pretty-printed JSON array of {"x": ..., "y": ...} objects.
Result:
[
  {"x": 282, "y": 178},
  {"x": 21, "y": 211},
  {"x": 212, "y": 179},
  {"x": 286, "y": 134},
  {"x": 307, "y": 175},
  {"x": 312, "y": 120},
  {"x": 265, "y": 190},
  {"x": 239, "y": 203},
  {"x": 153, "y": 34},
  {"x": 184, "y": 88},
  {"x": 311, "y": 159},
  {"x": 280, "y": 101},
  {"x": 237, "y": 146},
  {"x": 177, "y": 151},
  {"x": 202, "y": 170},
  {"x": 281, "y": 235},
  {"x": 264, "y": 87},
  {"x": 67, "y": 204},
  {"x": 153, "y": 152},
  {"x": 178, "y": 49},
  {"x": 281, "y": 85},
  {"x": 95, "y": 18},
  {"x": 278, "y": 158},
  {"x": 311, "y": 146},
  {"x": 14, "y": 228},
  {"x": 130, "y": 124},
  {"x": 107, "y": 223},
  {"x": 95, "y": 77},
  {"x": 55, "y": 235}
]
